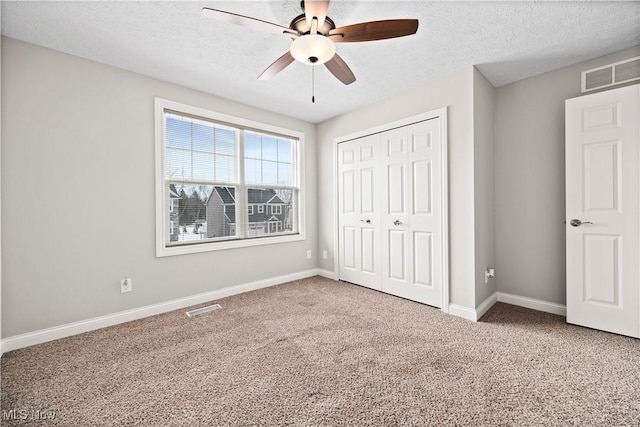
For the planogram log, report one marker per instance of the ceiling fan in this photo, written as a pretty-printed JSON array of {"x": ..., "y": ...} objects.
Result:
[{"x": 314, "y": 36}]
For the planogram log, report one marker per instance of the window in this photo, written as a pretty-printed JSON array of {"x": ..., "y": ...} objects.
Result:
[{"x": 210, "y": 168}]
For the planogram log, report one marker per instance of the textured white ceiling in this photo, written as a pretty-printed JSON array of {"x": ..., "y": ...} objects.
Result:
[{"x": 172, "y": 41}]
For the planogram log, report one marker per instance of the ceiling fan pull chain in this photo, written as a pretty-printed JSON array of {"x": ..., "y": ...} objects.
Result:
[{"x": 313, "y": 83}]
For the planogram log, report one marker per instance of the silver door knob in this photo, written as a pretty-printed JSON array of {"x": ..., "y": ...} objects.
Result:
[
  {"x": 397, "y": 222},
  {"x": 367, "y": 221},
  {"x": 578, "y": 223}
]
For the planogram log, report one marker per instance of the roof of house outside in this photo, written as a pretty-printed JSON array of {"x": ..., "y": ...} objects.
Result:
[
  {"x": 256, "y": 196},
  {"x": 227, "y": 195},
  {"x": 262, "y": 196},
  {"x": 173, "y": 193}
]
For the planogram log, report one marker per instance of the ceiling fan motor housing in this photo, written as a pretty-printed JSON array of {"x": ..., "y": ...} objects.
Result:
[{"x": 299, "y": 24}]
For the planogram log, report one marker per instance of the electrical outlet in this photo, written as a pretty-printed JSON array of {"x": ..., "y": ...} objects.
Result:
[
  {"x": 308, "y": 254},
  {"x": 126, "y": 285},
  {"x": 489, "y": 273},
  {"x": 324, "y": 255}
]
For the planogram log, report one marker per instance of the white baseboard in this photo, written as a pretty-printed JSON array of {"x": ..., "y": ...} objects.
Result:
[
  {"x": 486, "y": 305},
  {"x": 535, "y": 304},
  {"x": 473, "y": 314},
  {"x": 462, "y": 311},
  {"x": 328, "y": 274},
  {"x": 62, "y": 331},
  {"x": 532, "y": 303}
]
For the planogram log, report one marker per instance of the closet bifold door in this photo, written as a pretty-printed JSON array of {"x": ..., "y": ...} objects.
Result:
[
  {"x": 390, "y": 211},
  {"x": 411, "y": 222},
  {"x": 358, "y": 207}
]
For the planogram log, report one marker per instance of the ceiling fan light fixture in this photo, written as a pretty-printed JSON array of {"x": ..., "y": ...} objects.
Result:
[{"x": 313, "y": 49}]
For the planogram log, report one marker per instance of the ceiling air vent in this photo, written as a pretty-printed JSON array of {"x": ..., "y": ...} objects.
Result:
[{"x": 611, "y": 75}]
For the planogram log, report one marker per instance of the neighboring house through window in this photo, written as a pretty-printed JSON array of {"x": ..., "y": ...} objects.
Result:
[{"x": 209, "y": 167}]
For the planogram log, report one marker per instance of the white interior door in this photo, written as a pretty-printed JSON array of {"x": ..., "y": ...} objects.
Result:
[
  {"x": 358, "y": 218},
  {"x": 411, "y": 215},
  {"x": 602, "y": 208}
]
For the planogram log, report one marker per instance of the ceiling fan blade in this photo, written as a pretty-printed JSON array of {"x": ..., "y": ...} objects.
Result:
[
  {"x": 277, "y": 66},
  {"x": 247, "y": 22},
  {"x": 374, "y": 30},
  {"x": 340, "y": 69},
  {"x": 317, "y": 9}
]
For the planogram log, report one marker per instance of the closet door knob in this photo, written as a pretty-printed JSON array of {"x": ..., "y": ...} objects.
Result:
[
  {"x": 367, "y": 221},
  {"x": 397, "y": 222},
  {"x": 578, "y": 223}
]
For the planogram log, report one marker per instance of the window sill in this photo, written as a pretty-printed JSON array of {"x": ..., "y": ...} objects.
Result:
[{"x": 163, "y": 251}]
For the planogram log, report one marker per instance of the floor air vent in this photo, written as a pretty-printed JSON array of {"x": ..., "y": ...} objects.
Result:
[
  {"x": 611, "y": 75},
  {"x": 203, "y": 310}
]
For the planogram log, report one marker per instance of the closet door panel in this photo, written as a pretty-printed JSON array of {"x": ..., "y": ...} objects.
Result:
[{"x": 358, "y": 218}]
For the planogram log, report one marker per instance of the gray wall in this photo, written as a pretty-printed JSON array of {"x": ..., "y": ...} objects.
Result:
[
  {"x": 78, "y": 137},
  {"x": 529, "y": 181},
  {"x": 454, "y": 91},
  {"x": 483, "y": 123}
]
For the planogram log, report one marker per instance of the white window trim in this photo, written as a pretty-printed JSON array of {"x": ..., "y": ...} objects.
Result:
[
  {"x": 250, "y": 209},
  {"x": 162, "y": 208},
  {"x": 273, "y": 209}
]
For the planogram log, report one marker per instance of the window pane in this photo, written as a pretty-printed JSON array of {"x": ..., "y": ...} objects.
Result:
[
  {"x": 252, "y": 145},
  {"x": 269, "y": 172},
  {"x": 202, "y": 137},
  {"x": 284, "y": 174},
  {"x": 253, "y": 171},
  {"x": 225, "y": 168},
  {"x": 188, "y": 212},
  {"x": 277, "y": 157},
  {"x": 225, "y": 141},
  {"x": 284, "y": 151},
  {"x": 178, "y": 163},
  {"x": 203, "y": 165},
  {"x": 200, "y": 212},
  {"x": 178, "y": 132},
  {"x": 269, "y": 148},
  {"x": 274, "y": 213}
]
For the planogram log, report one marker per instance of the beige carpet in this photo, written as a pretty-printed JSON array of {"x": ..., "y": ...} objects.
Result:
[{"x": 322, "y": 353}]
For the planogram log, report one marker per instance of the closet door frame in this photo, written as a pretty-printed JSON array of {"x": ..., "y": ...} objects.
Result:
[{"x": 433, "y": 114}]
